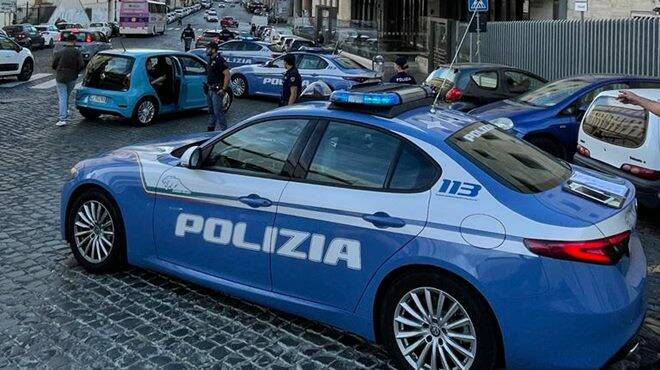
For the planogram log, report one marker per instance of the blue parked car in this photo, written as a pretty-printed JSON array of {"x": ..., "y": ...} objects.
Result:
[
  {"x": 142, "y": 84},
  {"x": 550, "y": 116},
  {"x": 339, "y": 72},
  {"x": 241, "y": 52},
  {"x": 453, "y": 243}
]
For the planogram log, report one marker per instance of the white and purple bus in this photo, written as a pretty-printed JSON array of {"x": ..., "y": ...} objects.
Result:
[{"x": 142, "y": 17}]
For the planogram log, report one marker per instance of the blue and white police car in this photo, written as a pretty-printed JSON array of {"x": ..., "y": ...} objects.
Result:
[
  {"x": 451, "y": 242},
  {"x": 243, "y": 52},
  {"x": 339, "y": 72}
]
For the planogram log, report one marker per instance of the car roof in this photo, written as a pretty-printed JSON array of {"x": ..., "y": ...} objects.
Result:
[
  {"x": 595, "y": 78},
  {"x": 653, "y": 94},
  {"x": 142, "y": 52}
]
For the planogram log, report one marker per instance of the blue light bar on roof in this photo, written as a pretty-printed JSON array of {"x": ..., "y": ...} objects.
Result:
[{"x": 385, "y": 99}]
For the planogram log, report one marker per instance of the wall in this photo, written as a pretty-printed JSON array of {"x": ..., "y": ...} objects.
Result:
[
  {"x": 612, "y": 8},
  {"x": 540, "y": 9}
]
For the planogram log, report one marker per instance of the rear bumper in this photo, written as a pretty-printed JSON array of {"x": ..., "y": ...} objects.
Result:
[
  {"x": 585, "y": 320},
  {"x": 648, "y": 191},
  {"x": 116, "y": 104}
]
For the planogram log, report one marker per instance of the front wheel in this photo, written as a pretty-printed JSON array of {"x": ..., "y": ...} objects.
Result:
[
  {"x": 430, "y": 321},
  {"x": 26, "y": 70},
  {"x": 145, "y": 112},
  {"x": 95, "y": 232},
  {"x": 227, "y": 100},
  {"x": 239, "y": 86}
]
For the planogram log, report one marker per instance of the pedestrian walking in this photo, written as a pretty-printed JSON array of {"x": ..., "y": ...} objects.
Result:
[
  {"x": 187, "y": 36},
  {"x": 629, "y": 97},
  {"x": 401, "y": 76},
  {"x": 253, "y": 30},
  {"x": 291, "y": 82},
  {"x": 67, "y": 63},
  {"x": 217, "y": 85}
]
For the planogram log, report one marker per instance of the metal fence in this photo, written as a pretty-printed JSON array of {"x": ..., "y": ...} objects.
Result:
[{"x": 560, "y": 48}]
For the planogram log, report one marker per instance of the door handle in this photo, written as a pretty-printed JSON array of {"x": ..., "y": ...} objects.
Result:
[
  {"x": 383, "y": 220},
  {"x": 255, "y": 201}
]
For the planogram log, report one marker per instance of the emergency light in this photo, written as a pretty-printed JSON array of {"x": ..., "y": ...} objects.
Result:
[{"x": 384, "y": 99}]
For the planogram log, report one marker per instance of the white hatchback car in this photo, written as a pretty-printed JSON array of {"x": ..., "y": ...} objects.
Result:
[
  {"x": 50, "y": 33},
  {"x": 15, "y": 60},
  {"x": 623, "y": 140},
  {"x": 103, "y": 27}
]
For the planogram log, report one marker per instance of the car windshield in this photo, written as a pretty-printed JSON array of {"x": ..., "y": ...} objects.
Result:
[
  {"x": 442, "y": 78},
  {"x": 347, "y": 63},
  {"x": 511, "y": 161},
  {"x": 109, "y": 72},
  {"x": 553, "y": 93},
  {"x": 613, "y": 122}
]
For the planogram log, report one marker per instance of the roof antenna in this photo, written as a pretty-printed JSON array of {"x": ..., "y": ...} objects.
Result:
[{"x": 453, "y": 61}]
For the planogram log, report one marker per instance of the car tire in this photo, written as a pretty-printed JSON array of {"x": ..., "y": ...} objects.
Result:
[
  {"x": 95, "y": 232},
  {"x": 51, "y": 44},
  {"x": 410, "y": 344},
  {"x": 89, "y": 113},
  {"x": 145, "y": 112},
  {"x": 239, "y": 86},
  {"x": 227, "y": 100},
  {"x": 26, "y": 70},
  {"x": 549, "y": 146}
]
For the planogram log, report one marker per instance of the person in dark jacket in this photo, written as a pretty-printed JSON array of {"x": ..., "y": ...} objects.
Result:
[
  {"x": 401, "y": 76},
  {"x": 291, "y": 82},
  {"x": 187, "y": 36},
  {"x": 217, "y": 86},
  {"x": 67, "y": 63}
]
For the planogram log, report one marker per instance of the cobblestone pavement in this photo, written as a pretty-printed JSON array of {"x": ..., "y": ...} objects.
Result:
[{"x": 54, "y": 315}]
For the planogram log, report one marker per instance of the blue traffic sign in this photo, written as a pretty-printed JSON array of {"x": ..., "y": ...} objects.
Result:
[{"x": 478, "y": 5}]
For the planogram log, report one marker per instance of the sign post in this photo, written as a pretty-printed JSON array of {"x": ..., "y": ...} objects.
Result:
[
  {"x": 581, "y": 6},
  {"x": 478, "y": 6}
]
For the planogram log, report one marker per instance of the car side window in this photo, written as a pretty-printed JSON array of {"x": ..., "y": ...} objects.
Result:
[
  {"x": 252, "y": 47},
  {"x": 192, "y": 66},
  {"x": 414, "y": 171},
  {"x": 587, "y": 98},
  {"x": 261, "y": 148},
  {"x": 518, "y": 83},
  {"x": 352, "y": 155},
  {"x": 312, "y": 62},
  {"x": 486, "y": 79},
  {"x": 278, "y": 63}
]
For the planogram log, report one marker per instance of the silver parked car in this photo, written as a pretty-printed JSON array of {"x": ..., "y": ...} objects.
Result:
[{"x": 88, "y": 42}]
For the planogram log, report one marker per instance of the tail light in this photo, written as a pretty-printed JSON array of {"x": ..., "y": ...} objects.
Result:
[
  {"x": 606, "y": 251},
  {"x": 583, "y": 151},
  {"x": 22, "y": 35},
  {"x": 88, "y": 38},
  {"x": 61, "y": 37},
  {"x": 454, "y": 94},
  {"x": 358, "y": 79},
  {"x": 642, "y": 172}
]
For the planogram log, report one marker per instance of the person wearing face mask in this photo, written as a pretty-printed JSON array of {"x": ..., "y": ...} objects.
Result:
[{"x": 217, "y": 85}]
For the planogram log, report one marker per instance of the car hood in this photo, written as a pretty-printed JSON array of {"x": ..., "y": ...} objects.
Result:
[
  {"x": 512, "y": 109},
  {"x": 165, "y": 145}
]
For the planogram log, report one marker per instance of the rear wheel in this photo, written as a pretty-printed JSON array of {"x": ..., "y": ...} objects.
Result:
[
  {"x": 239, "y": 86},
  {"x": 89, "y": 113},
  {"x": 145, "y": 112},
  {"x": 26, "y": 70},
  {"x": 227, "y": 100},
  {"x": 549, "y": 146},
  {"x": 95, "y": 232},
  {"x": 431, "y": 321}
]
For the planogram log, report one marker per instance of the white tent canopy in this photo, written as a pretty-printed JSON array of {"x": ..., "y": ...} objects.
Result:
[{"x": 71, "y": 11}]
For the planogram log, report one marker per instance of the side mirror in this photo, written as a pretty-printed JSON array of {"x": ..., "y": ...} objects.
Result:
[{"x": 192, "y": 158}]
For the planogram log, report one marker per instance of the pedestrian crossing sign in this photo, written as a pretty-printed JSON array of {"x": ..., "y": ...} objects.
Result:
[{"x": 478, "y": 5}]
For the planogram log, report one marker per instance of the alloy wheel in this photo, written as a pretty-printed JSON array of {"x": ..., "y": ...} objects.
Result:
[
  {"x": 433, "y": 331},
  {"x": 238, "y": 86},
  {"x": 94, "y": 231},
  {"x": 146, "y": 111}
]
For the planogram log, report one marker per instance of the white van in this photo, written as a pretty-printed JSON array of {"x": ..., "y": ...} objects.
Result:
[{"x": 623, "y": 140}]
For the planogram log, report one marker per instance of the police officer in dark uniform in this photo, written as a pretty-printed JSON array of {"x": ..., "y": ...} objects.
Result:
[
  {"x": 401, "y": 76},
  {"x": 217, "y": 85},
  {"x": 291, "y": 82},
  {"x": 187, "y": 36}
]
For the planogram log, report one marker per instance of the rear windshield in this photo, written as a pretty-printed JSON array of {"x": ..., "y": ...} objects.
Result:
[
  {"x": 553, "y": 93},
  {"x": 615, "y": 123},
  {"x": 13, "y": 29},
  {"x": 347, "y": 63},
  {"x": 80, "y": 36},
  {"x": 109, "y": 72},
  {"x": 442, "y": 78},
  {"x": 509, "y": 160}
]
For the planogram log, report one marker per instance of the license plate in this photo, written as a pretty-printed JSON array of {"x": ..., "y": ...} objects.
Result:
[{"x": 98, "y": 99}]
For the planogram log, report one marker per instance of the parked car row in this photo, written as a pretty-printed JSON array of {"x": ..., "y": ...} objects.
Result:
[
  {"x": 47, "y": 35},
  {"x": 181, "y": 13}
]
